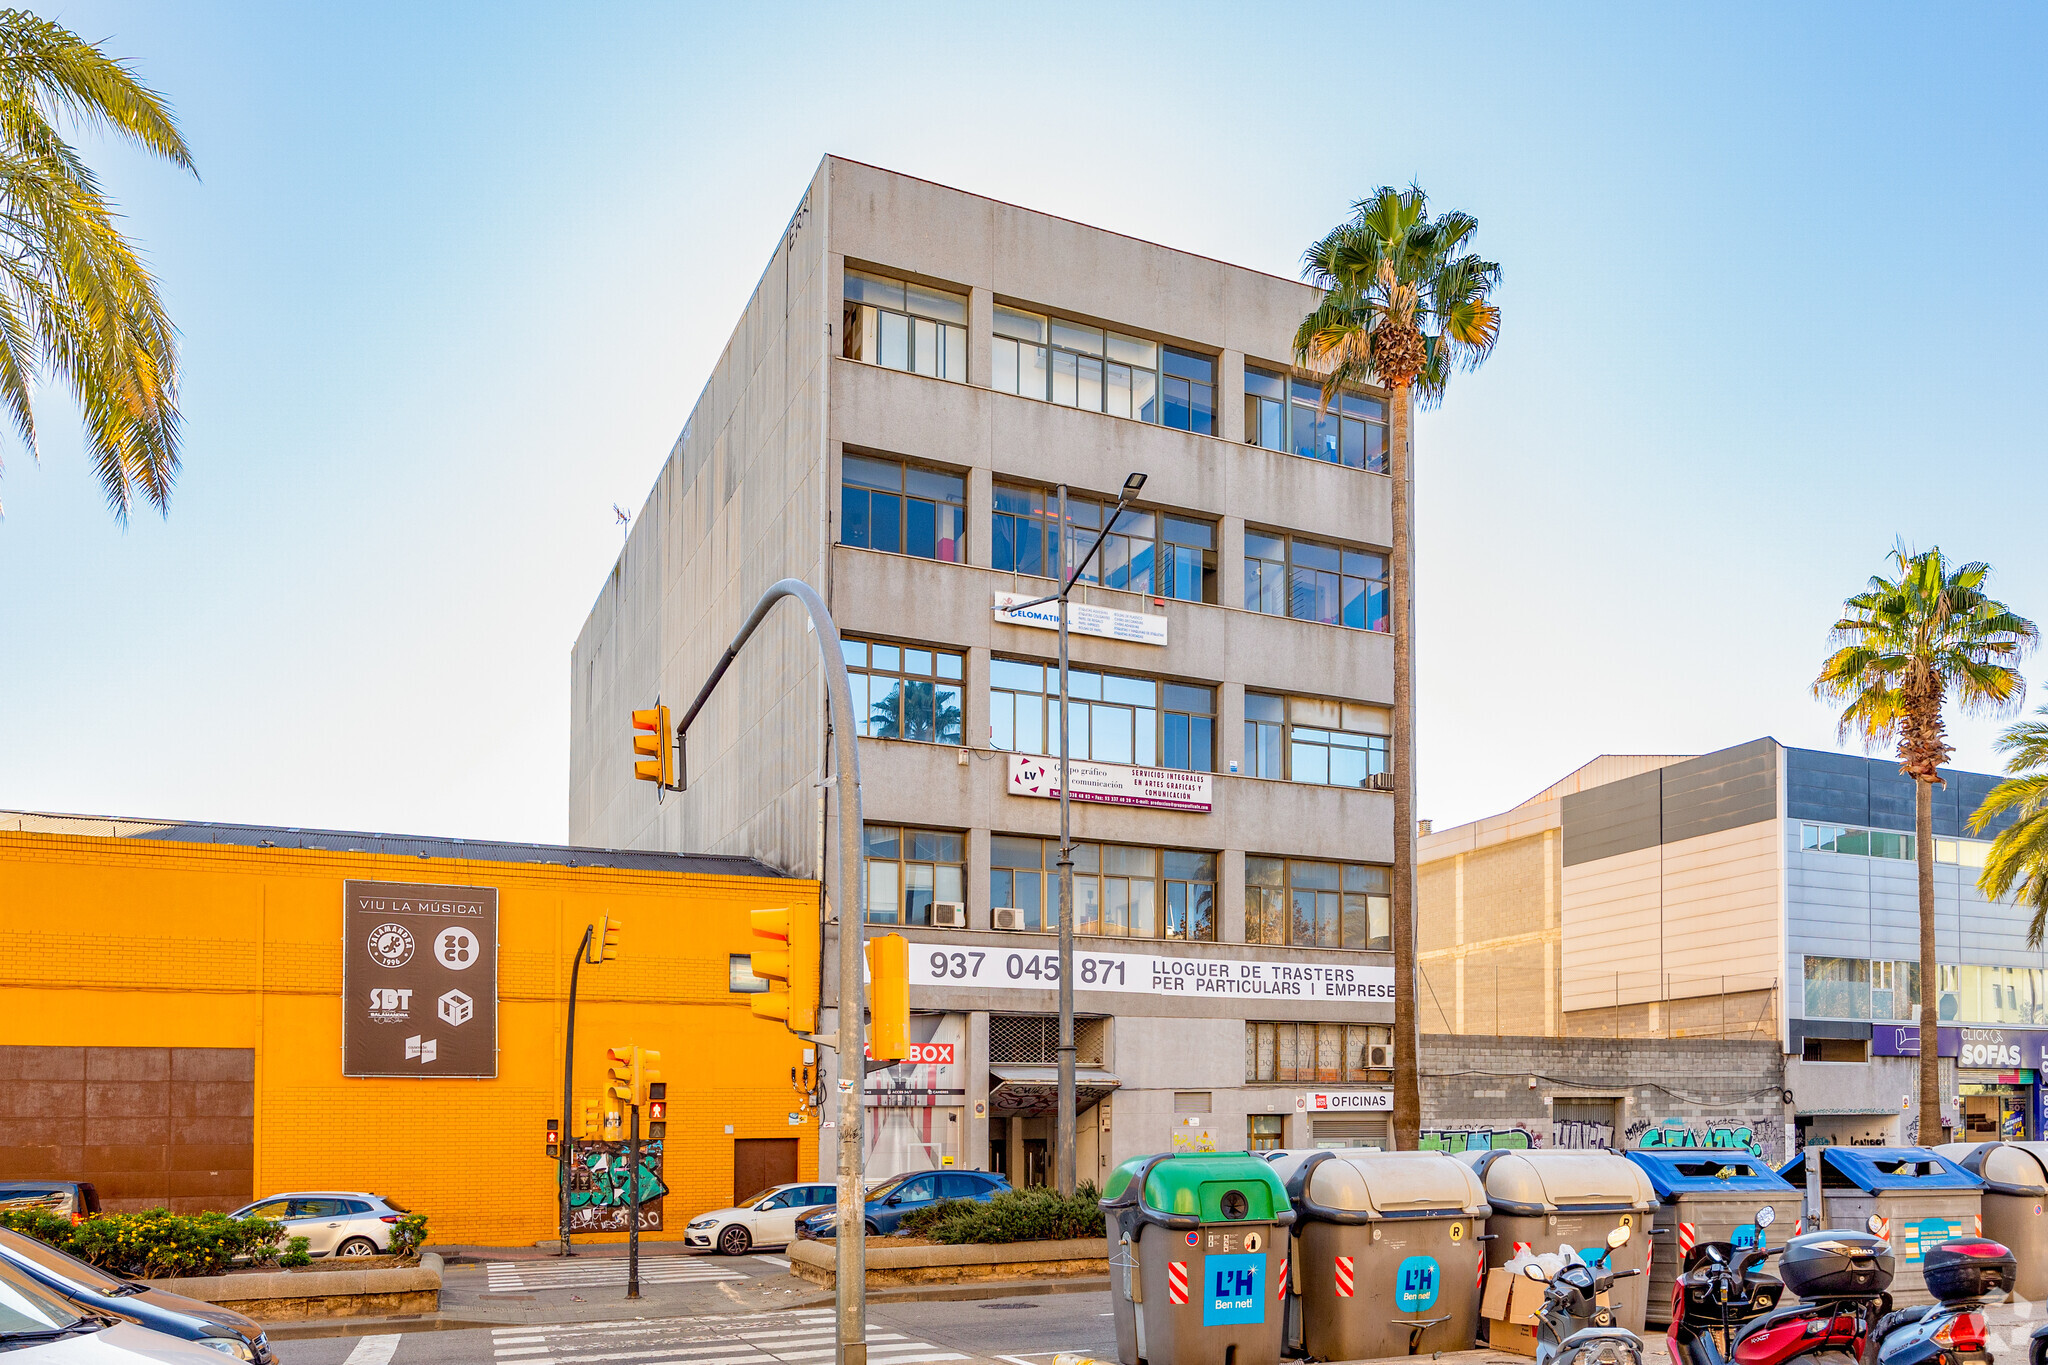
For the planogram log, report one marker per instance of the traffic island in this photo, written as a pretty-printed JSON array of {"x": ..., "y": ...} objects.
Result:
[
  {"x": 323, "y": 1291},
  {"x": 890, "y": 1266}
]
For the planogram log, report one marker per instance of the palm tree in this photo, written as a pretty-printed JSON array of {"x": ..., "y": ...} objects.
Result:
[
  {"x": 1404, "y": 304},
  {"x": 934, "y": 715},
  {"x": 1904, "y": 647},
  {"x": 2019, "y": 853},
  {"x": 76, "y": 302}
]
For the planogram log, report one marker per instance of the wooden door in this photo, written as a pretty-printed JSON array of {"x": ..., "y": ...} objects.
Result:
[{"x": 758, "y": 1163}]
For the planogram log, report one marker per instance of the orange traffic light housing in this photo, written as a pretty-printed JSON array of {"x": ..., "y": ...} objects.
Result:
[
  {"x": 888, "y": 998},
  {"x": 790, "y": 968},
  {"x": 646, "y": 1074},
  {"x": 618, "y": 1077},
  {"x": 654, "y": 754},
  {"x": 608, "y": 939}
]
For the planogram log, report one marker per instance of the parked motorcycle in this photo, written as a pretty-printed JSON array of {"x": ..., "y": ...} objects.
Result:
[
  {"x": 1842, "y": 1279},
  {"x": 1961, "y": 1273},
  {"x": 1580, "y": 1294},
  {"x": 1720, "y": 1289}
]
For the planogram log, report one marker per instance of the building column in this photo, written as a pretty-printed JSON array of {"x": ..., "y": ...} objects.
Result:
[
  {"x": 1015, "y": 1143},
  {"x": 981, "y": 327},
  {"x": 977, "y": 869},
  {"x": 1230, "y": 396},
  {"x": 981, "y": 526},
  {"x": 1230, "y": 561},
  {"x": 974, "y": 1155},
  {"x": 1230, "y": 896},
  {"x": 1230, "y": 756}
]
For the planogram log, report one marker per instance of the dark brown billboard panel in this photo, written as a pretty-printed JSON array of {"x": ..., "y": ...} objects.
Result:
[{"x": 419, "y": 989}]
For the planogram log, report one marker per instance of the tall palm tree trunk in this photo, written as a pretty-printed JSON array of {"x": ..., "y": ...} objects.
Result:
[
  {"x": 1930, "y": 973},
  {"x": 1407, "y": 1039}
]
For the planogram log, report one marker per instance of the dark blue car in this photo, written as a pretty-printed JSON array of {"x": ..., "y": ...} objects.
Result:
[{"x": 889, "y": 1201}]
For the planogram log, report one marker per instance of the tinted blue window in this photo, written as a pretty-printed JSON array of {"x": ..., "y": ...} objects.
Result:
[
  {"x": 853, "y": 517},
  {"x": 885, "y": 514},
  {"x": 1189, "y": 366},
  {"x": 923, "y": 530}
]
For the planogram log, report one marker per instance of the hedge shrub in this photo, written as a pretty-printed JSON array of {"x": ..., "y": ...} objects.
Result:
[
  {"x": 1033, "y": 1215},
  {"x": 155, "y": 1242}
]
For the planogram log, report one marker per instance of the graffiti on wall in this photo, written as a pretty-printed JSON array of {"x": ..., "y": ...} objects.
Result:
[
  {"x": 600, "y": 1186},
  {"x": 1758, "y": 1137},
  {"x": 1584, "y": 1134},
  {"x": 1479, "y": 1137}
]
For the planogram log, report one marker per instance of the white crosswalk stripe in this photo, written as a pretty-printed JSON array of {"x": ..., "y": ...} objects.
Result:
[
  {"x": 804, "y": 1338},
  {"x": 520, "y": 1277}
]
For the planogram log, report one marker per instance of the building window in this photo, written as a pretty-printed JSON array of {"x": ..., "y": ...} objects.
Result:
[
  {"x": 1120, "y": 891},
  {"x": 739, "y": 975},
  {"x": 1189, "y": 386},
  {"x": 1311, "y": 581},
  {"x": 1151, "y": 553},
  {"x": 1968, "y": 852},
  {"x": 903, "y": 508},
  {"x": 1351, "y": 431},
  {"x": 1317, "y": 1053},
  {"x": 1863, "y": 843},
  {"x": 909, "y": 869},
  {"x": 1075, "y": 365},
  {"x": 1265, "y": 409},
  {"x": 904, "y": 326},
  {"x": 905, "y": 691},
  {"x": 1837, "y": 988},
  {"x": 1264, "y": 1132},
  {"x": 1111, "y": 718},
  {"x": 1302, "y": 739},
  {"x": 1318, "y": 905},
  {"x": 1034, "y": 1039}
]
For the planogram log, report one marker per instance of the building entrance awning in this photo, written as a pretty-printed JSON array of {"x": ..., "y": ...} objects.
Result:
[
  {"x": 1841, "y": 1113},
  {"x": 1032, "y": 1091}
]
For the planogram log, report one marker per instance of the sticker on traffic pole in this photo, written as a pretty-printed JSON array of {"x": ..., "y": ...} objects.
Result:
[
  {"x": 1177, "y": 1281},
  {"x": 1343, "y": 1277}
]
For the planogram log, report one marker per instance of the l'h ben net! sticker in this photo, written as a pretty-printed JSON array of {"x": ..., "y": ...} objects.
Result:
[
  {"x": 1233, "y": 1289},
  {"x": 1416, "y": 1283}
]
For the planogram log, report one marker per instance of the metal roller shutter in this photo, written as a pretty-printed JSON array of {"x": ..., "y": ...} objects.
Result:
[{"x": 1353, "y": 1132}]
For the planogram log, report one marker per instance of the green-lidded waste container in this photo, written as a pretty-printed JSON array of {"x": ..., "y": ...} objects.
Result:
[
  {"x": 1544, "y": 1199},
  {"x": 2015, "y": 1176},
  {"x": 1387, "y": 1252},
  {"x": 1198, "y": 1259},
  {"x": 1710, "y": 1196},
  {"x": 1910, "y": 1196}
]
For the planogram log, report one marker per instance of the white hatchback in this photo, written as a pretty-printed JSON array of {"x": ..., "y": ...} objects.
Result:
[
  {"x": 334, "y": 1223},
  {"x": 767, "y": 1219}
]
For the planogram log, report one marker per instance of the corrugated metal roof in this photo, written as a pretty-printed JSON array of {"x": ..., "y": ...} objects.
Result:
[{"x": 396, "y": 845}]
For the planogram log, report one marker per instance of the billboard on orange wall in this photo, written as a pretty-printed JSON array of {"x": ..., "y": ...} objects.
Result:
[{"x": 419, "y": 995}]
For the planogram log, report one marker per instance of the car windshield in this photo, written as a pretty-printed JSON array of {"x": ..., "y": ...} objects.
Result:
[
  {"x": 27, "y": 1308},
  {"x": 392, "y": 1204},
  {"x": 61, "y": 1264},
  {"x": 887, "y": 1188},
  {"x": 758, "y": 1195}
]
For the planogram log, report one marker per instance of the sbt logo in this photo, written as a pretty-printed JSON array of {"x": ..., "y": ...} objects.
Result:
[{"x": 386, "y": 1000}]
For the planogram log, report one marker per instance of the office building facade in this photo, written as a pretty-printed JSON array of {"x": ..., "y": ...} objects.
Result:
[{"x": 918, "y": 376}]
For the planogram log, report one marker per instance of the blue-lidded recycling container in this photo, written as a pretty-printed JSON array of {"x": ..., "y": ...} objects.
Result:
[
  {"x": 1910, "y": 1196},
  {"x": 1707, "y": 1195}
]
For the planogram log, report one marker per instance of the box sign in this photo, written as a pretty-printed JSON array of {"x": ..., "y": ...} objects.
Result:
[
  {"x": 419, "y": 986},
  {"x": 1082, "y": 619},
  {"x": 1111, "y": 784},
  {"x": 1345, "y": 1102},
  {"x": 948, "y": 963}
]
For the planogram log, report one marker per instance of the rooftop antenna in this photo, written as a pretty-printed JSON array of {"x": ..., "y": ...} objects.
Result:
[{"x": 625, "y": 519}]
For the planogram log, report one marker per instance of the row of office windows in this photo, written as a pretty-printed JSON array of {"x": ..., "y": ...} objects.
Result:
[
  {"x": 914, "y": 692},
  {"x": 1856, "y": 988},
  {"x": 1884, "y": 843},
  {"x": 918, "y": 876},
  {"x": 911, "y": 509},
  {"x": 900, "y": 325}
]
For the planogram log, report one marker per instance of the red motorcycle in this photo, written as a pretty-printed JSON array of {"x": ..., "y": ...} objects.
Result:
[{"x": 1724, "y": 1310}]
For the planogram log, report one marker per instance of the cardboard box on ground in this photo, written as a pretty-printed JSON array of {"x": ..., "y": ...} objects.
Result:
[{"x": 1509, "y": 1306}]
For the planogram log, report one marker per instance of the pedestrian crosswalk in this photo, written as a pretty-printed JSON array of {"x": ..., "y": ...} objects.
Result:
[
  {"x": 523, "y": 1277},
  {"x": 802, "y": 1338}
]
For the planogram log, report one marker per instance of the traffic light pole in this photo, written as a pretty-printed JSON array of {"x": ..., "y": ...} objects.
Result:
[
  {"x": 633, "y": 1206},
  {"x": 850, "y": 1265},
  {"x": 568, "y": 1082}
]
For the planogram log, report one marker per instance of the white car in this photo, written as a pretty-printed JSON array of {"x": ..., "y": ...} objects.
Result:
[
  {"x": 334, "y": 1223},
  {"x": 39, "y": 1326},
  {"x": 767, "y": 1219}
]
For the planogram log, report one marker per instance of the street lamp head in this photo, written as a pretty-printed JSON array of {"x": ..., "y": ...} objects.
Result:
[{"x": 1133, "y": 484}]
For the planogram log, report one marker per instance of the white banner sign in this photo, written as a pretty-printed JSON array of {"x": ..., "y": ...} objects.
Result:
[
  {"x": 1028, "y": 969},
  {"x": 1111, "y": 783},
  {"x": 1345, "y": 1102},
  {"x": 1083, "y": 619}
]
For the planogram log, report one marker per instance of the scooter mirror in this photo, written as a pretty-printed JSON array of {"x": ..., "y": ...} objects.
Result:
[
  {"x": 1533, "y": 1271},
  {"x": 1618, "y": 1237},
  {"x": 1766, "y": 1216},
  {"x": 1876, "y": 1225}
]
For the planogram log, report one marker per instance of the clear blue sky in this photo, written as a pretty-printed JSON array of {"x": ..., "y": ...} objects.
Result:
[{"x": 455, "y": 275}]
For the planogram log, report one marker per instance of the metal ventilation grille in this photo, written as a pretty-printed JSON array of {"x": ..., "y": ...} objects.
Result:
[{"x": 1034, "y": 1040}]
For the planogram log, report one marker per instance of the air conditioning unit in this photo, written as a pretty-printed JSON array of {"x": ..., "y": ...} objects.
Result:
[
  {"x": 1006, "y": 917},
  {"x": 1379, "y": 1057},
  {"x": 1379, "y": 782},
  {"x": 949, "y": 914}
]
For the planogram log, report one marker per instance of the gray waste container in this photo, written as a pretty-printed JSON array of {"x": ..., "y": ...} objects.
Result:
[
  {"x": 1710, "y": 1196},
  {"x": 1198, "y": 1259},
  {"x": 1910, "y": 1196},
  {"x": 2015, "y": 1176},
  {"x": 1544, "y": 1198},
  {"x": 1387, "y": 1252}
]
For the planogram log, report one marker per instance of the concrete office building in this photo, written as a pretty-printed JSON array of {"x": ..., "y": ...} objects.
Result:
[
  {"x": 1760, "y": 890},
  {"x": 918, "y": 374}
]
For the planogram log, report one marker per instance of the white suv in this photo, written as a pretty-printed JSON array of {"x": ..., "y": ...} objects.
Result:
[
  {"x": 767, "y": 1219},
  {"x": 334, "y": 1223}
]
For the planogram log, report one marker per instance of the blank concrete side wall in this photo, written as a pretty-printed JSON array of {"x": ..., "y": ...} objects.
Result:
[
  {"x": 737, "y": 505},
  {"x": 1610, "y": 916}
]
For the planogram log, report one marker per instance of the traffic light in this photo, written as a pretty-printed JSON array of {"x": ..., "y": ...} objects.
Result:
[
  {"x": 646, "y": 1073},
  {"x": 790, "y": 968},
  {"x": 618, "y": 1077},
  {"x": 657, "y": 1109},
  {"x": 653, "y": 748},
  {"x": 593, "y": 1120},
  {"x": 554, "y": 1142},
  {"x": 888, "y": 998},
  {"x": 608, "y": 939}
]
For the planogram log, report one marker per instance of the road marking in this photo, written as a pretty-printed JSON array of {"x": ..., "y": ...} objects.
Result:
[
  {"x": 376, "y": 1350},
  {"x": 774, "y": 1260}
]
